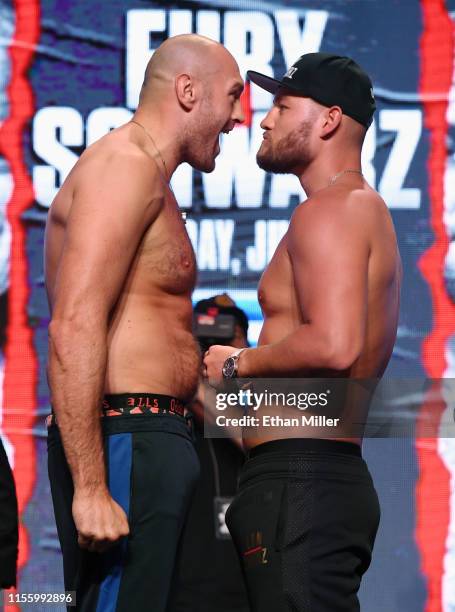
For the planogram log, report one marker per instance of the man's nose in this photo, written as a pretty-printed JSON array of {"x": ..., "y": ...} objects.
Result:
[
  {"x": 267, "y": 122},
  {"x": 238, "y": 115}
]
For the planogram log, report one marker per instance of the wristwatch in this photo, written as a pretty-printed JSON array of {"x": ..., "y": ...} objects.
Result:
[{"x": 231, "y": 365}]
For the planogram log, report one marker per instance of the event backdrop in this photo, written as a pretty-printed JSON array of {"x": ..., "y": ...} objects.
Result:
[{"x": 71, "y": 70}]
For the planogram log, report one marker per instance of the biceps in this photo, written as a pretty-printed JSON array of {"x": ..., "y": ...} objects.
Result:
[{"x": 91, "y": 272}]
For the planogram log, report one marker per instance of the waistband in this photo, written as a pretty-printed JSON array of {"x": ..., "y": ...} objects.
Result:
[
  {"x": 305, "y": 458},
  {"x": 132, "y": 404},
  {"x": 141, "y": 403},
  {"x": 306, "y": 445}
]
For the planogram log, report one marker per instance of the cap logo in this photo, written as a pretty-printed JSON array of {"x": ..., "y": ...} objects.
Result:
[{"x": 290, "y": 73}]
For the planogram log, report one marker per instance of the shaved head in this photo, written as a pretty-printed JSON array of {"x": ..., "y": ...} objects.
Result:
[
  {"x": 191, "y": 92},
  {"x": 191, "y": 54}
]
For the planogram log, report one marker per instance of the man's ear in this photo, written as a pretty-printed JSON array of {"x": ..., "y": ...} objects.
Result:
[
  {"x": 185, "y": 90},
  {"x": 330, "y": 121}
]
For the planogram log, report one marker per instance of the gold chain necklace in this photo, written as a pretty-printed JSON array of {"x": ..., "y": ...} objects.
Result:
[
  {"x": 335, "y": 177},
  {"x": 167, "y": 180}
]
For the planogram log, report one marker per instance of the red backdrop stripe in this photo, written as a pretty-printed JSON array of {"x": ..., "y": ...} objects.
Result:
[
  {"x": 19, "y": 387},
  {"x": 432, "y": 490}
]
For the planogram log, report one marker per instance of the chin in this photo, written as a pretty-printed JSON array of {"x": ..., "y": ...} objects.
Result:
[
  {"x": 211, "y": 165},
  {"x": 265, "y": 162},
  {"x": 206, "y": 165},
  {"x": 268, "y": 164}
]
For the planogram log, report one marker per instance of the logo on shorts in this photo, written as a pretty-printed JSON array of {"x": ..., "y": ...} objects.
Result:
[{"x": 255, "y": 553}]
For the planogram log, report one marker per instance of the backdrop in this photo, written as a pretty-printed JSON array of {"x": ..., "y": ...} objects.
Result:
[{"x": 71, "y": 71}]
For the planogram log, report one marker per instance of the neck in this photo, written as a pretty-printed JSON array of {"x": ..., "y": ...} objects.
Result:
[
  {"x": 321, "y": 174},
  {"x": 164, "y": 139}
]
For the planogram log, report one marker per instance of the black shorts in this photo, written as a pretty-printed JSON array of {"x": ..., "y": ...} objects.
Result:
[
  {"x": 152, "y": 469},
  {"x": 209, "y": 576},
  {"x": 304, "y": 523}
]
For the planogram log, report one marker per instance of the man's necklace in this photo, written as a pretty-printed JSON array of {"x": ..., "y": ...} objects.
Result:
[
  {"x": 168, "y": 182},
  {"x": 335, "y": 177},
  {"x": 166, "y": 173}
]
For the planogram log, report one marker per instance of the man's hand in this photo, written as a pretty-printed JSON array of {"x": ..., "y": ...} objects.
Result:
[
  {"x": 214, "y": 360},
  {"x": 99, "y": 520}
]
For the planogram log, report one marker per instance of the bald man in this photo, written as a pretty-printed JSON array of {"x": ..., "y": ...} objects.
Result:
[{"x": 120, "y": 271}]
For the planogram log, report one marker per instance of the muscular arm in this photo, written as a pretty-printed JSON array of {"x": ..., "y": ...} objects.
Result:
[
  {"x": 329, "y": 255},
  {"x": 112, "y": 206}
]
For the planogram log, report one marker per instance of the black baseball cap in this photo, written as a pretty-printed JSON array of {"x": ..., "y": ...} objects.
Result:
[
  {"x": 223, "y": 304},
  {"x": 331, "y": 80}
]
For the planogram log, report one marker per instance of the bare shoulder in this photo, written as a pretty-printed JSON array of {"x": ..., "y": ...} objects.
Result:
[
  {"x": 338, "y": 209},
  {"x": 119, "y": 162},
  {"x": 113, "y": 174}
]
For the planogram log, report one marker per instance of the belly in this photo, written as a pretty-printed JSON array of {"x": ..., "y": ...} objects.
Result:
[
  {"x": 250, "y": 443},
  {"x": 281, "y": 423},
  {"x": 343, "y": 423},
  {"x": 153, "y": 350}
]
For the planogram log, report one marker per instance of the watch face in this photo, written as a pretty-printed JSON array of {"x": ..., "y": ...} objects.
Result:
[{"x": 229, "y": 367}]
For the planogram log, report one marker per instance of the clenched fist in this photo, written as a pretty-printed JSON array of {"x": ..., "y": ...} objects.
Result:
[
  {"x": 214, "y": 360},
  {"x": 99, "y": 520}
]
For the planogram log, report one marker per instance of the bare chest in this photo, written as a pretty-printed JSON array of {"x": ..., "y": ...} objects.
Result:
[
  {"x": 166, "y": 256},
  {"x": 276, "y": 291}
]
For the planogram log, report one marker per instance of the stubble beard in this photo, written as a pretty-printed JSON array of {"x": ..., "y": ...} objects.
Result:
[
  {"x": 201, "y": 140},
  {"x": 288, "y": 154}
]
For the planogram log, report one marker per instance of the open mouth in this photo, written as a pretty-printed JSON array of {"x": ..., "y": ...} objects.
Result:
[{"x": 227, "y": 129}]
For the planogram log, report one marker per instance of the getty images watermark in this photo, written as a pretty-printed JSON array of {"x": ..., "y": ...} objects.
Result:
[
  {"x": 259, "y": 401},
  {"x": 332, "y": 407}
]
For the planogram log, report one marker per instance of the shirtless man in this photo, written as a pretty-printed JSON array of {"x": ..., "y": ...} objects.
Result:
[
  {"x": 120, "y": 271},
  {"x": 330, "y": 300}
]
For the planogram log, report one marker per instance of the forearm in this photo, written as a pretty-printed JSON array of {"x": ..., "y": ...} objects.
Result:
[
  {"x": 76, "y": 370},
  {"x": 303, "y": 350}
]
